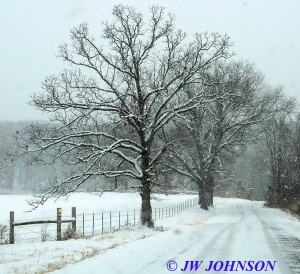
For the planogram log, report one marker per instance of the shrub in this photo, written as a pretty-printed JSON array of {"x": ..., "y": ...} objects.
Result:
[
  {"x": 45, "y": 233},
  {"x": 3, "y": 234},
  {"x": 70, "y": 233}
]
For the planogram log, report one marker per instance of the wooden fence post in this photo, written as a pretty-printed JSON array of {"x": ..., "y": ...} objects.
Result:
[
  {"x": 102, "y": 221},
  {"x": 93, "y": 223},
  {"x": 74, "y": 219},
  {"x": 11, "y": 227},
  {"x": 83, "y": 224},
  {"x": 58, "y": 221},
  {"x": 110, "y": 221}
]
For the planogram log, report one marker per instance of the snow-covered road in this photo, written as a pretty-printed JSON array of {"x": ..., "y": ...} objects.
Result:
[{"x": 239, "y": 230}]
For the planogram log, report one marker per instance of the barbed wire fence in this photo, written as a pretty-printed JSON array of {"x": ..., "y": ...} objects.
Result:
[
  {"x": 104, "y": 222},
  {"x": 89, "y": 224}
]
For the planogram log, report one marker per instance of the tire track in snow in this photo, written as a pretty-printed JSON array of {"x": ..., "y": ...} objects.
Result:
[
  {"x": 277, "y": 252},
  {"x": 290, "y": 247},
  {"x": 225, "y": 236},
  {"x": 226, "y": 248},
  {"x": 212, "y": 247}
]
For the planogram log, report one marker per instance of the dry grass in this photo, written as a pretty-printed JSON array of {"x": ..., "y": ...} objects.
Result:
[
  {"x": 292, "y": 213},
  {"x": 74, "y": 258},
  {"x": 193, "y": 222},
  {"x": 70, "y": 258}
]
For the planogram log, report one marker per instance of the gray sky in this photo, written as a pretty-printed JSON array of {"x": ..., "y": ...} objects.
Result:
[{"x": 265, "y": 32}]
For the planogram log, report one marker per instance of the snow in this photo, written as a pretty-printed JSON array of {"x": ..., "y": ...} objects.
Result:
[
  {"x": 110, "y": 203},
  {"x": 234, "y": 229}
]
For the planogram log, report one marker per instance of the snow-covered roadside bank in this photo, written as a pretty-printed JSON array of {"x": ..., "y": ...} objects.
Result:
[
  {"x": 40, "y": 257},
  {"x": 34, "y": 258}
]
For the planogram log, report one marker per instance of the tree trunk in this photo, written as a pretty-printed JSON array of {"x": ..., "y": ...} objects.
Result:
[
  {"x": 204, "y": 199},
  {"x": 200, "y": 192},
  {"x": 207, "y": 192},
  {"x": 210, "y": 189},
  {"x": 146, "y": 212},
  {"x": 200, "y": 196}
]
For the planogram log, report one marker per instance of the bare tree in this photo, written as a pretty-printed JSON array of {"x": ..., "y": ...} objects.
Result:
[
  {"x": 223, "y": 125},
  {"x": 135, "y": 81},
  {"x": 282, "y": 135},
  {"x": 2, "y": 155},
  {"x": 7, "y": 165}
]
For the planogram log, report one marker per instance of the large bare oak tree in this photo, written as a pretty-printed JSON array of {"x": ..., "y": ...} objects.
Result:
[{"x": 117, "y": 96}]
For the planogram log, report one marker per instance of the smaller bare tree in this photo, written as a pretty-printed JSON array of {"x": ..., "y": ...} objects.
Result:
[
  {"x": 282, "y": 135},
  {"x": 229, "y": 120}
]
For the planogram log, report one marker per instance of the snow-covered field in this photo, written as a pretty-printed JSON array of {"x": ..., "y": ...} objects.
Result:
[
  {"x": 85, "y": 202},
  {"x": 119, "y": 209},
  {"x": 234, "y": 229}
]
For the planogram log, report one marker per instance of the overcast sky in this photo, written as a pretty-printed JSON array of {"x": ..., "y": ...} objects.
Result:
[{"x": 265, "y": 32}]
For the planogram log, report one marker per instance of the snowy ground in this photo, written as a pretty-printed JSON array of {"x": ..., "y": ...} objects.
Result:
[
  {"x": 234, "y": 230},
  {"x": 30, "y": 255},
  {"x": 110, "y": 204}
]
